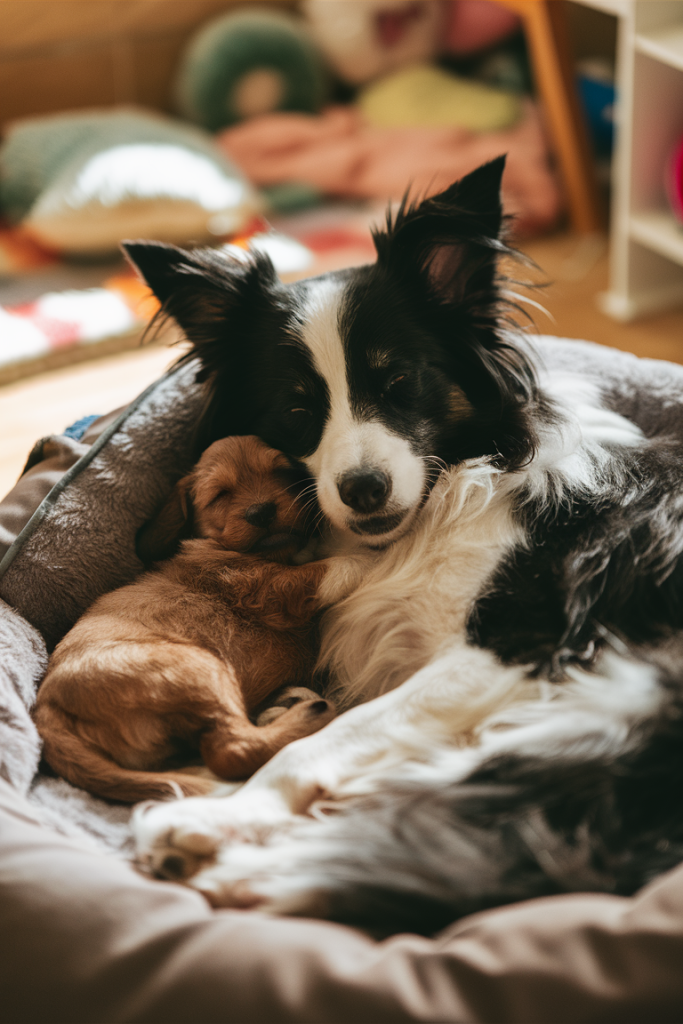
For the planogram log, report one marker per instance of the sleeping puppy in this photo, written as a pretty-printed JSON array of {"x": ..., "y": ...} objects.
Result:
[{"x": 173, "y": 666}]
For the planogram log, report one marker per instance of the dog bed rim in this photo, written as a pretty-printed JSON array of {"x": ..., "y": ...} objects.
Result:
[{"x": 52, "y": 496}]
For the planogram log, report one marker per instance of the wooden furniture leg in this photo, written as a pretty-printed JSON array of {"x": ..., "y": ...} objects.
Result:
[{"x": 546, "y": 34}]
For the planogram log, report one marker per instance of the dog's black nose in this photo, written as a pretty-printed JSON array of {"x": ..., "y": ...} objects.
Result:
[
  {"x": 364, "y": 491},
  {"x": 261, "y": 514}
]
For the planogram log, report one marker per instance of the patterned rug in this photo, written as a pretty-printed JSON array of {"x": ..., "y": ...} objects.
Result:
[{"x": 54, "y": 312}]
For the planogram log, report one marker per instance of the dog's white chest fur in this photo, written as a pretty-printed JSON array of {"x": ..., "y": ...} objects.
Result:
[{"x": 416, "y": 596}]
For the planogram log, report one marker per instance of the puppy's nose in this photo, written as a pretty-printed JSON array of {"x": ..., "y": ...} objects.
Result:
[
  {"x": 364, "y": 491},
  {"x": 261, "y": 514}
]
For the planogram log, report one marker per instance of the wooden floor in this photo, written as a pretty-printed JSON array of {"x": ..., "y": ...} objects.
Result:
[
  {"x": 577, "y": 271},
  {"x": 46, "y": 404},
  {"x": 576, "y": 268}
]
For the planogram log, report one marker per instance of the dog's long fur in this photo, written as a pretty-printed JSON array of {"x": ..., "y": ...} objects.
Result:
[
  {"x": 172, "y": 665},
  {"x": 507, "y": 530}
]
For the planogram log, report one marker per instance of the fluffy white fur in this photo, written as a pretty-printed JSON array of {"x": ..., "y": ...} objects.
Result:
[
  {"x": 574, "y": 454},
  {"x": 452, "y": 715}
]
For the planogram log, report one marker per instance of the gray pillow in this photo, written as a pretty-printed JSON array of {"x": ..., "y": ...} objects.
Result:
[{"x": 80, "y": 542}]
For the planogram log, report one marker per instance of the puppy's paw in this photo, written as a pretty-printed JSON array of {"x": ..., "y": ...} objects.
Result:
[
  {"x": 307, "y": 554},
  {"x": 308, "y": 712}
]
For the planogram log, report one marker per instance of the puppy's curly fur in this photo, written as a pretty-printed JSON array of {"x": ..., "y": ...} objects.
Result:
[{"x": 171, "y": 667}]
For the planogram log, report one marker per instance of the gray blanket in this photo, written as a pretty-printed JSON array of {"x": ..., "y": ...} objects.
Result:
[{"x": 80, "y": 543}]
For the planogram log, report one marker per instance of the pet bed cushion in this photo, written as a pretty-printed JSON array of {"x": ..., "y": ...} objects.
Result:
[
  {"x": 113, "y": 946},
  {"x": 80, "y": 182},
  {"x": 80, "y": 542},
  {"x": 83, "y": 938}
]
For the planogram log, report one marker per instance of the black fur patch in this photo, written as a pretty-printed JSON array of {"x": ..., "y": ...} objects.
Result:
[{"x": 594, "y": 564}]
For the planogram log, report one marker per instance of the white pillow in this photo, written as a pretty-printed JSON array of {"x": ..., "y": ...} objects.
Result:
[{"x": 80, "y": 182}]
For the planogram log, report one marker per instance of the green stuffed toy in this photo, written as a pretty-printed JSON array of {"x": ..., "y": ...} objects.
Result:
[{"x": 248, "y": 63}]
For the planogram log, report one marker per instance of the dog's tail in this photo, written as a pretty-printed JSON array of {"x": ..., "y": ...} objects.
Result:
[{"x": 86, "y": 765}]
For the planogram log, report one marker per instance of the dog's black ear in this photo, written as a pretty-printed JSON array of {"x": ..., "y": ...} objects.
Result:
[
  {"x": 451, "y": 241},
  {"x": 204, "y": 290},
  {"x": 157, "y": 263},
  {"x": 159, "y": 538},
  {"x": 444, "y": 253}
]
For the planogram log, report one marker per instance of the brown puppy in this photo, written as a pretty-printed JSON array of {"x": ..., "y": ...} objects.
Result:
[{"x": 171, "y": 666}]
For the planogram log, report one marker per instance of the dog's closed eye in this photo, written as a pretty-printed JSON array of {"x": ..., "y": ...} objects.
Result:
[
  {"x": 395, "y": 382},
  {"x": 299, "y": 414}
]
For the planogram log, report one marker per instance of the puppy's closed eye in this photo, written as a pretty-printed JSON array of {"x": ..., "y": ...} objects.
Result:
[{"x": 223, "y": 493}]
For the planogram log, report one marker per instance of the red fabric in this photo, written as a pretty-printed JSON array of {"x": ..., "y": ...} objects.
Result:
[{"x": 342, "y": 155}]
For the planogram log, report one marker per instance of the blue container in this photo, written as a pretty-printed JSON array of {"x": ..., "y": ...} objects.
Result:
[{"x": 598, "y": 99}]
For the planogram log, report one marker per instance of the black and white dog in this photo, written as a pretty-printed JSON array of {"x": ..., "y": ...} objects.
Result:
[{"x": 501, "y": 537}]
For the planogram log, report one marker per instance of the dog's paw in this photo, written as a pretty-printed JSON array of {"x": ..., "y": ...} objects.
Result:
[
  {"x": 175, "y": 840},
  {"x": 231, "y": 879},
  {"x": 248, "y": 877}
]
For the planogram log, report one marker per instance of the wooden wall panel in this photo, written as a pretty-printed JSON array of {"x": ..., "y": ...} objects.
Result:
[
  {"x": 51, "y": 82},
  {"x": 30, "y": 24},
  {"x": 155, "y": 60},
  {"x": 64, "y": 54}
]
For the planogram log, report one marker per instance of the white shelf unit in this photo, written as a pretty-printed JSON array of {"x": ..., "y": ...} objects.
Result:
[
  {"x": 665, "y": 45},
  {"x": 646, "y": 240}
]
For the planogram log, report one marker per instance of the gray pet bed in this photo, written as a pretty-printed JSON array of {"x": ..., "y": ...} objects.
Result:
[{"x": 83, "y": 937}]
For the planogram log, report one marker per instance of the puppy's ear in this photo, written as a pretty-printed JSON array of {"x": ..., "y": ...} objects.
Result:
[
  {"x": 207, "y": 291},
  {"x": 159, "y": 538},
  {"x": 451, "y": 241}
]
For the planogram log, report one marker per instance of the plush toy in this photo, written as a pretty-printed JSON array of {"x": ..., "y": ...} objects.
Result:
[
  {"x": 251, "y": 62},
  {"x": 388, "y": 48},
  {"x": 424, "y": 94},
  {"x": 475, "y": 25},
  {"x": 246, "y": 63},
  {"x": 367, "y": 39},
  {"x": 80, "y": 181},
  {"x": 364, "y": 40}
]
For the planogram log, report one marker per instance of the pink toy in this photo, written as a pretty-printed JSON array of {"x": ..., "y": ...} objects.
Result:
[{"x": 674, "y": 181}]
